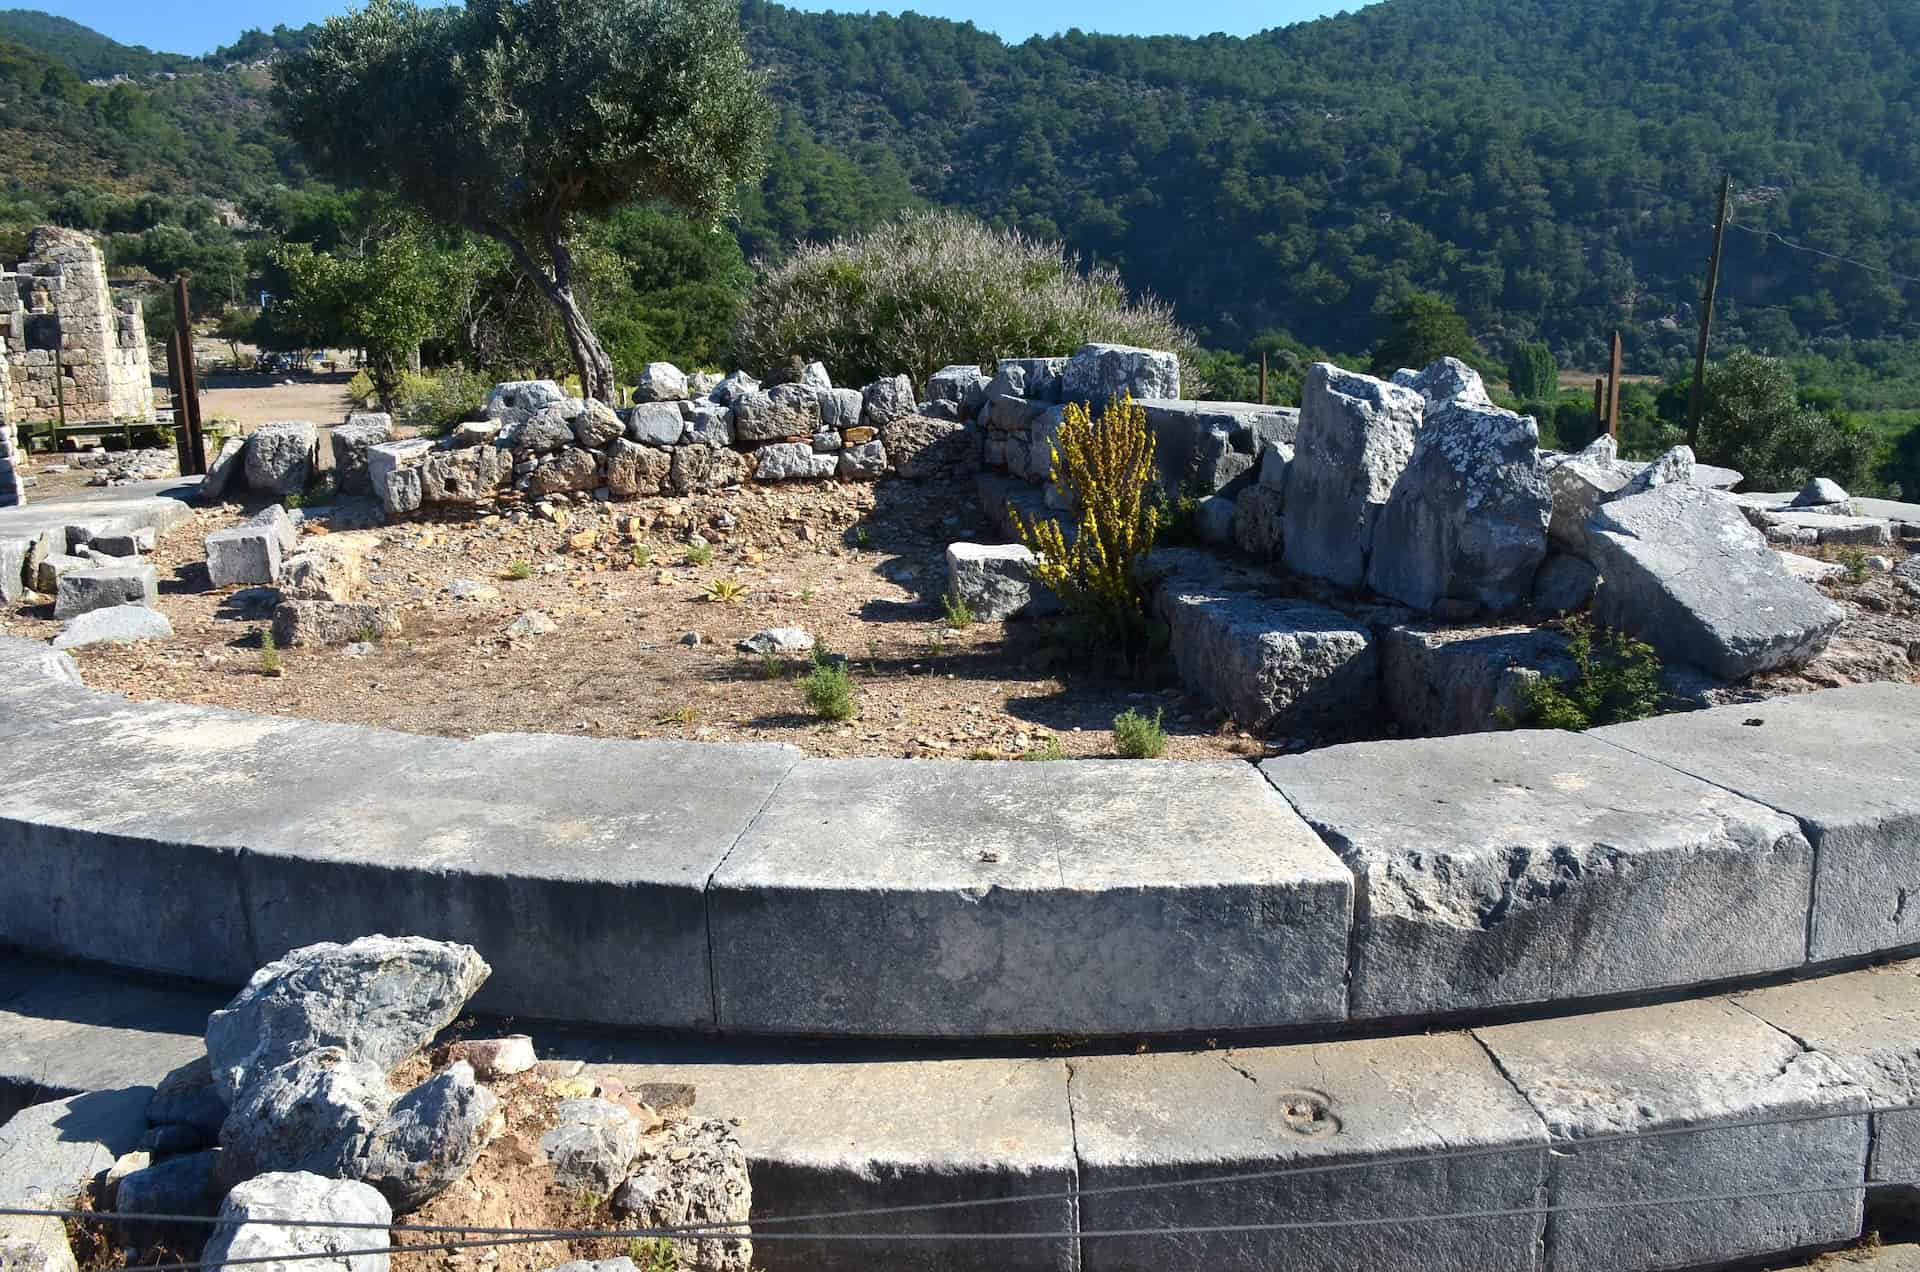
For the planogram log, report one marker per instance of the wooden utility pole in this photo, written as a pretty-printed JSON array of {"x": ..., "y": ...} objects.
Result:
[
  {"x": 1699, "y": 404},
  {"x": 1263, "y": 377},
  {"x": 186, "y": 402},
  {"x": 1613, "y": 389},
  {"x": 181, "y": 442}
]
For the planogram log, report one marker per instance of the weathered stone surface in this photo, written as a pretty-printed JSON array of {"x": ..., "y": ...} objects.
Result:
[
  {"x": 959, "y": 383},
  {"x": 785, "y": 410},
  {"x": 572, "y": 469},
  {"x": 127, "y": 543},
  {"x": 1840, "y": 762},
  {"x": 1356, "y": 1120},
  {"x": 1681, "y": 568},
  {"x": 656, "y": 424},
  {"x": 115, "y": 625},
  {"x": 312, "y": 624},
  {"x": 1258, "y": 526},
  {"x": 1612, "y": 1074},
  {"x": 48, "y": 570},
  {"x": 379, "y": 998},
  {"x": 597, "y": 424},
  {"x": 1826, "y": 528},
  {"x": 329, "y": 568},
  {"x": 703, "y": 469},
  {"x": 1274, "y": 663},
  {"x": 1213, "y": 519},
  {"x": 351, "y": 442},
  {"x": 887, "y": 400},
  {"x": 1448, "y": 382},
  {"x": 733, "y": 386},
  {"x": 1578, "y": 484},
  {"x": 840, "y": 409},
  {"x": 1439, "y": 681},
  {"x": 634, "y": 471},
  {"x": 493, "y": 1058},
  {"x": 1675, "y": 467},
  {"x": 49, "y": 1152},
  {"x": 466, "y": 475},
  {"x": 784, "y": 461},
  {"x": 777, "y": 640},
  {"x": 996, "y": 581},
  {"x": 522, "y": 395},
  {"x": 1524, "y": 878},
  {"x": 1207, "y": 445},
  {"x": 591, "y": 1144},
  {"x": 316, "y": 1112},
  {"x": 280, "y": 457},
  {"x": 1098, "y": 372},
  {"x": 1467, "y": 519},
  {"x": 81, "y": 591},
  {"x": 696, "y": 1175},
  {"x": 189, "y": 1184},
  {"x": 660, "y": 382},
  {"x": 304, "y": 1249},
  {"x": 1819, "y": 491},
  {"x": 393, "y": 469},
  {"x": 863, "y": 461},
  {"x": 474, "y": 433},
  {"x": 430, "y": 1138},
  {"x": 1564, "y": 583},
  {"x": 920, "y": 447},
  {"x": 225, "y": 465},
  {"x": 954, "y": 898},
  {"x": 188, "y": 1096},
  {"x": 549, "y": 429},
  {"x": 1356, "y": 434},
  {"x": 708, "y": 424},
  {"x": 1867, "y": 1023}
]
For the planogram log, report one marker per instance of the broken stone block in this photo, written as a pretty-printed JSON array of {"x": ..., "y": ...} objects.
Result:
[
  {"x": 280, "y": 455},
  {"x": 243, "y": 555},
  {"x": 634, "y": 470},
  {"x": 1563, "y": 584},
  {"x": 393, "y": 470},
  {"x": 1258, "y": 527},
  {"x": 222, "y": 469},
  {"x": 996, "y": 581},
  {"x": 656, "y": 424},
  {"x": 1467, "y": 519},
  {"x": 785, "y": 461},
  {"x": 1097, "y": 373},
  {"x": 351, "y": 442},
  {"x": 115, "y": 625},
  {"x": 316, "y": 623},
  {"x": 1356, "y": 435},
  {"x": 1440, "y": 681},
  {"x": 81, "y": 591},
  {"x": 1681, "y": 568},
  {"x": 284, "y": 1195}
]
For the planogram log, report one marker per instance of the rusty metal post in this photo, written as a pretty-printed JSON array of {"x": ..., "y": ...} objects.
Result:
[
  {"x": 1263, "y": 377},
  {"x": 181, "y": 442},
  {"x": 1599, "y": 407}
]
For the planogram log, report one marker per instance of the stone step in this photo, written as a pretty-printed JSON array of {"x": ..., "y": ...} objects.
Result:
[
  {"x": 1413, "y": 1151},
  {"x": 745, "y": 890}
]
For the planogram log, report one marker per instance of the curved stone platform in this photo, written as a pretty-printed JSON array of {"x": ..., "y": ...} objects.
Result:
[
  {"x": 1690, "y": 1134},
  {"x": 747, "y": 890}
]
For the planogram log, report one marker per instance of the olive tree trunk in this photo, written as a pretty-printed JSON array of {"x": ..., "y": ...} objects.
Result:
[{"x": 589, "y": 355}]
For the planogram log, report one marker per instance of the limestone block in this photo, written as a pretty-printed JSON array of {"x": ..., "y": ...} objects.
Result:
[
  {"x": 83, "y": 590},
  {"x": 1356, "y": 435},
  {"x": 243, "y": 555},
  {"x": 996, "y": 581},
  {"x": 1526, "y": 878},
  {"x": 1691, "y": 1064}
]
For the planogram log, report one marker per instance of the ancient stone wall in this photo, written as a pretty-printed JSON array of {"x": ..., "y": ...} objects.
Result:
[{"x": 68, "y": 348}]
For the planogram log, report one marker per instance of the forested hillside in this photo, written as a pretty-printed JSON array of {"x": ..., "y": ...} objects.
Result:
[{"x": 1547, "y": 165}]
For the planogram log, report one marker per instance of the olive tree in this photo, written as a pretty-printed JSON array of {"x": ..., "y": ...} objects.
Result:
[{"x": 515, "y": 119}]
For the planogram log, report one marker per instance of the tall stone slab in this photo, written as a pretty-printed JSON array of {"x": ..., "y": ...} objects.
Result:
[
  {"x": 1356, "y": 436},
  {"x": 1467, "y": 520}
]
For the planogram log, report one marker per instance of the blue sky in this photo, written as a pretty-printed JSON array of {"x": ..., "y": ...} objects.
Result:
[{"x": 195, "y": 26}]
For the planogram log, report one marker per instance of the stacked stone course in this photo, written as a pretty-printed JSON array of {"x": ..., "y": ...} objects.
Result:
[{"x": 66, "y": 345}]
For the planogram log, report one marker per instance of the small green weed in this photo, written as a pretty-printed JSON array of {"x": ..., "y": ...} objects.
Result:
[
  {"x": 1048, "y": 750},
  {"x": 959, "y": 613},
  {"x": 519, "y": 569},
  {"x": 679, "y": 715},
  {"x": 657, "y": 1255},
  {"x": 806, "y": 596},
  {"x": 1854, "y": 561},
  {"x": 862, "y": 538},
  {"x": 700, "y": 554},
  {"x": 773, "y": 667},
  {"x": 983, "y": 753},
  {"x": 725, "y": 591},
  {"x": 1618, "y": 680},
  {"x": 642, "y": 554},
  {"x": 936, "y": 645},
  {"x": 269, "y": 654},
  {"x": 828, "y": 688},
  {"x": 1139, "y": 738}
]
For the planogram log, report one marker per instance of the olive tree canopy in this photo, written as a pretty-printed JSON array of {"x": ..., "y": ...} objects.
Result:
[{"x": 513, "y": 118}]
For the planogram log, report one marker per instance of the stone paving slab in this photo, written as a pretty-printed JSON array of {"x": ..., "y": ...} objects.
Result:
[
  {"x": 1507, "y": 868},
  {"x": 827, "y": 1137},
  {"x": 65, "y": 1030},
  {"x": 1686, "y": 1065},
  {"x": 1869, "y": 1024},
  {"x": 1164, "y": 1118},
  {"x": 934, "y": 898},
  {"x": 1843, "y": 763}
]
